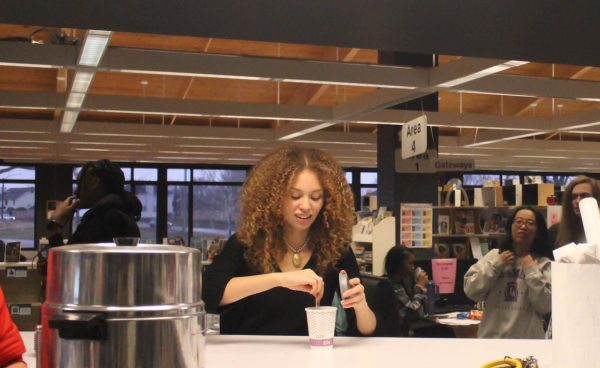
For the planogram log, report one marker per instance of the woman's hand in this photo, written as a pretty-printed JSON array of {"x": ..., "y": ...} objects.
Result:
[
  {"x": 507, "y": 257},
  {"x": 64, "y": 210},
  {"x": 355, "y": 296},
  {"x": 527, "y": 261},
  {"x": 305, "y": 280}
]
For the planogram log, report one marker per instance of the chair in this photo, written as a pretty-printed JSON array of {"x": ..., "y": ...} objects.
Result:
[{"x": 382, "y": 300}]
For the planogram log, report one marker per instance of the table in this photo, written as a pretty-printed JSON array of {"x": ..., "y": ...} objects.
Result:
[
  {"x": 462, "y": 328},
  {"x": 293, "y": 352}
]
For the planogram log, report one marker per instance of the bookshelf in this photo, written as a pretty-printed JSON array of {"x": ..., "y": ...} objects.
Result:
[
  {"x": 460, "y": 227},
  {"x": 371, "y": 247}
]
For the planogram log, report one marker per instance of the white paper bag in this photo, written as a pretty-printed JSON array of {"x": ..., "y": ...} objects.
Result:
[{"x": 575, "y": 315}]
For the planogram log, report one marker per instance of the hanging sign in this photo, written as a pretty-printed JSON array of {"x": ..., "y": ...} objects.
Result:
[
  {"x": 419, "y": 164},
  {"x": 414, "y": 137}
]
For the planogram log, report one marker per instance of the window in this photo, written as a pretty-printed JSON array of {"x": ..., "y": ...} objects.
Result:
[
  {"x": 145, "y": 174},
  {"x": 215, "y": 210},
  {"x": 368, "y": 178},
  {"x": 368, "y": 188},
  {"x": 349, "y": 177},
  {"x": 559, "y": 180},
  {"x": 479, "y": 179},
  {"x": 219, "y": 175},
  {"x": 178, "y": 218},
  {"x": 17, "y": 205},
  {"x": 179, "y": 174},
  {"x": 147, "y": 224},
  {"x": 508, "y": 179}
]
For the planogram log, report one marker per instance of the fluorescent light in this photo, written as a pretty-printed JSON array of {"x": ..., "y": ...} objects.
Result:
[
  {"x": 306, "y": 131},
  {"x": 109, "y": 143},
  {"x": 351, "y": 84},
  {"x": 189, "y": 152},
  {"x": 91, "y": 149},
  {"x": 482, "y": 73},
  {"x": 25, "y": 141},
  {"x": 205, "y": 146},
  {"x": 82, "y": 81},
  {"x": 186, "y": 158},
  {"x": 463, "y": 154},
  {"x": 591, "y": 99},
  {"x": 197, "y": 75},
  {"x": 24, "y": 132},
  {"x": 503, "y": 139},
  {"x": 75, "y": 100},
  {"x": 22, "y": 147},
  {"x": 528, "y": 156},
  {"x": 126, "y": 135},
  {"x": 26, "y": 65},
  {"x": 94, "y": 46},
  {"x": 334, "y": 142},
  {"x": 68, "y": 121},
  {"x": 227, "y": 139}
]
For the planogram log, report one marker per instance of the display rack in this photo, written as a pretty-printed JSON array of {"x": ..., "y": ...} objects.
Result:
[
  {"x": 371, "y": 246},
  {"x": 463, "y": 229}
]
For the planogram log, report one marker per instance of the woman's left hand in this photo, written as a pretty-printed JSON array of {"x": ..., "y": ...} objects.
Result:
[
  {"x": 355, "y": 296},
  {"x": 527, "y": 261}
]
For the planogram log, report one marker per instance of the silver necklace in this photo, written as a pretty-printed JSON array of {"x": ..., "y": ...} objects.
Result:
[{"x": 296, "y": 260}]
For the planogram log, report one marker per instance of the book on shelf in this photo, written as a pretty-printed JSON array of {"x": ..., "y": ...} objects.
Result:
[
  {"x": 441, "y": 250},
  {"x": 443, "y": 224},
  {"x": 460, "y": 251},
  {"x": 495, "y": 224},
  {"x": 470, "y": 224},
  {"x": 13, "y": 252}
]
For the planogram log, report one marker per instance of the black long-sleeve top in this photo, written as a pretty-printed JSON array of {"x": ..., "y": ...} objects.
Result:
[{"x": 278, "y": 311}]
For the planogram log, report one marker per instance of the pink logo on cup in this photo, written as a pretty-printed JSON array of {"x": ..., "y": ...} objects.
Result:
[{"x": 321, "y": 342}]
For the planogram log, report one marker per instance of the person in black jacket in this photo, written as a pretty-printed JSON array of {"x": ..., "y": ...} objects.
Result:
[
  {"x": 113, "y": 211},
  {"x": 297, "y": 213}
]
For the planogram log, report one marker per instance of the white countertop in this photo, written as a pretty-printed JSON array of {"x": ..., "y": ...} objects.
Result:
[{"x": 294, "y": 352}]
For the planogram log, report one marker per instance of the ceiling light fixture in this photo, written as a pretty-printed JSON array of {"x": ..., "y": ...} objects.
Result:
[
  {"x": 94, "y": 46},
  {"x": 482, "y": 73},
  {"x": 306, "y": 131}
]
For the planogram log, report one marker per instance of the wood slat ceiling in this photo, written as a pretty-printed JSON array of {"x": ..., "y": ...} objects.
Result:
[{"x": 345, "y": 135}]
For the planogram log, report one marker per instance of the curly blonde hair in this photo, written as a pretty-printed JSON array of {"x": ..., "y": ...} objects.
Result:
[{"x": 261, "y": 216}]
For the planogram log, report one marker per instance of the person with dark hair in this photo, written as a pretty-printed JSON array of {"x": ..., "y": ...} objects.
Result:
[
  {"x": 410, "y": 289},
  {"x": 12, "y": 347},
  {"x": 514, "y": 281},
  {"x": 113, "y": 211},
  {"x": 570, "y": 228},
  {"x": 297, "y": 212}
]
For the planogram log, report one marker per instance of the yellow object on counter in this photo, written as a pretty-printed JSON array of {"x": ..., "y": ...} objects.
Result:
[{"x": 504, "y": 363}]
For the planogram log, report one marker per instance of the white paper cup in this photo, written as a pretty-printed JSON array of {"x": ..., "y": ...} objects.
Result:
[{"x": 321, "y": 326}]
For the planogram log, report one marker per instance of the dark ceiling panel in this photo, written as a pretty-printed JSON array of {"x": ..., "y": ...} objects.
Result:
[{"x": 558, "y": 31}]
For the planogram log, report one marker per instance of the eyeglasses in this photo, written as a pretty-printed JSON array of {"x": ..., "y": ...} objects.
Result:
[
  {"x": 520, "y": 222},
  {"x": 581, "y": 195}
]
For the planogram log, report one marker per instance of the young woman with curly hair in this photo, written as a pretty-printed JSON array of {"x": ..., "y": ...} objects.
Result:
[{"x": 295, "y": 228}]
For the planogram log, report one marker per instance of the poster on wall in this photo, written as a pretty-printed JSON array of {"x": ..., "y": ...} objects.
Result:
[{"x": 416, "y": 225}]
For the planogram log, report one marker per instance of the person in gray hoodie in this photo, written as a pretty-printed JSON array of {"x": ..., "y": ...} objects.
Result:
[{"x": 514, "y": 281}]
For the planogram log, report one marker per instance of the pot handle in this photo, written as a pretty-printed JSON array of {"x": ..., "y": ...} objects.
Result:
[{"x": 80, "y": 326}]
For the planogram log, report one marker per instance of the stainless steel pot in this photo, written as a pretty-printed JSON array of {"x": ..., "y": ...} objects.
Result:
[{"x": 109, "y": 306}]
